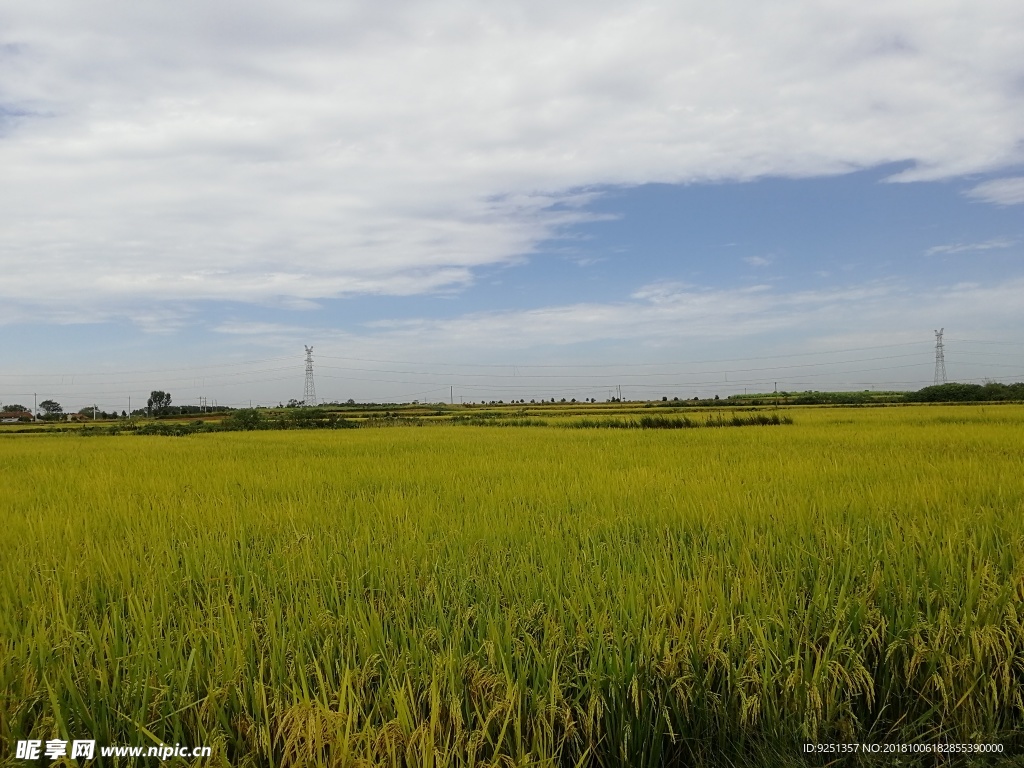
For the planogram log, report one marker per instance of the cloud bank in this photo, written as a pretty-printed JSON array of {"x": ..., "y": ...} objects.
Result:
[
  {"x": 269, "y": 152},
  {"x": 673, "y": 316}
]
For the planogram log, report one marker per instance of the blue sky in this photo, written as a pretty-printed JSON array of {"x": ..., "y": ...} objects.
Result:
[{"x": 511, "y": 201}]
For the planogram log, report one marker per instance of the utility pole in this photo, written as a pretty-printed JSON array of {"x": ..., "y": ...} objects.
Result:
[
  {"x": 35, "y": 407},
  {"x": 451, "y": 395},
  {"x": 94, "y": 411},
  {"x": 940, "y": 358},
  {"x": 309, "y": 396}
]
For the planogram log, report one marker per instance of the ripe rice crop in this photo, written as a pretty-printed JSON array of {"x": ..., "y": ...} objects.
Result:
[{"x": 468, "y": 596}]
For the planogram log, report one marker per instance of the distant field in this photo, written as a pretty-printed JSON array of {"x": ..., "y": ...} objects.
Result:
[{"x": 463, "y": 595}]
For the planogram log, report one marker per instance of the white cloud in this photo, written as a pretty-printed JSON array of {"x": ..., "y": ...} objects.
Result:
[
  {"x": 997, "y": 243},
  {"x": 1009, "y": 191},
  {"x": 251, "y": 328},
  {"x": 656, "y": 314},
  {"x": 679, "y": 314},
  {"x": 753, "y": 334},
  {"x": 267, "y": 151},
  {"x": 664, "y": 339},
  {"x": 759, "y": 261}
]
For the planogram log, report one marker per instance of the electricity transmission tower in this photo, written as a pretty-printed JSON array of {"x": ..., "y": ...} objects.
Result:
[
  {"x": 940, "y": 358},
  {"x": 309, "y": 397}
]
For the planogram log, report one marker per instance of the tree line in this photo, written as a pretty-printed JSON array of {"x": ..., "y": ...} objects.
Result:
[{"x": 159, "y": 402}]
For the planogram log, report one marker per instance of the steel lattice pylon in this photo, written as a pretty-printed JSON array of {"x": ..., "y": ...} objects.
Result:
[
  {"x": 940, "y": 358},
  {"x": 309, "y": 396}
]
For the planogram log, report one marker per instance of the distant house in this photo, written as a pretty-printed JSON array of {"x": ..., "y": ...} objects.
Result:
[
  {"x": 13, "y": 417},
  {"x": 78, "y": 417}
]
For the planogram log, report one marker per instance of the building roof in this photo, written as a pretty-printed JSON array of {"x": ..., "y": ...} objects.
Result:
[{"x": 14, "y": 415}]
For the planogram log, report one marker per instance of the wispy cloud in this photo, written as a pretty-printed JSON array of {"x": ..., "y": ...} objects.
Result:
[
  {"x": 662, "y": 323},
  {"x": 997, "y": 243},
  {"x": 658, "y": 334},
  {"x": 256, "y": 328},
  {"x": 674, "y": 313},
  {"x": 1008, "y": 191},
  {"x": 759, "y": 261}
]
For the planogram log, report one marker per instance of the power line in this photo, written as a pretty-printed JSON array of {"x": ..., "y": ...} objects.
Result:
[
  {"x": 665, "y": 376},
  {"x": 620, "y": 375},
  {"x": 649, "y": 386},
  {"x": 981, "y": 341},
  {"x": 625, "y": 365},
  {"x": 570, "y": 381}
]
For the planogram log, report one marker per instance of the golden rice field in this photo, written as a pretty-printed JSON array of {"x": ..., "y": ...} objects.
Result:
[{"x": 471, "y": 596}]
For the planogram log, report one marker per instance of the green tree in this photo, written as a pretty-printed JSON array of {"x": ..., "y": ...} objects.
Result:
[
  {"x": 245, "y": 418},
  {"x": 159, "y": 402},
  {"x": 51, "y": 408},
  {"x": 12, "y": 407}
]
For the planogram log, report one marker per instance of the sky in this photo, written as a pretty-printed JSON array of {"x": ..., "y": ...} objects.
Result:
[{"x": 476, "y": 201}]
